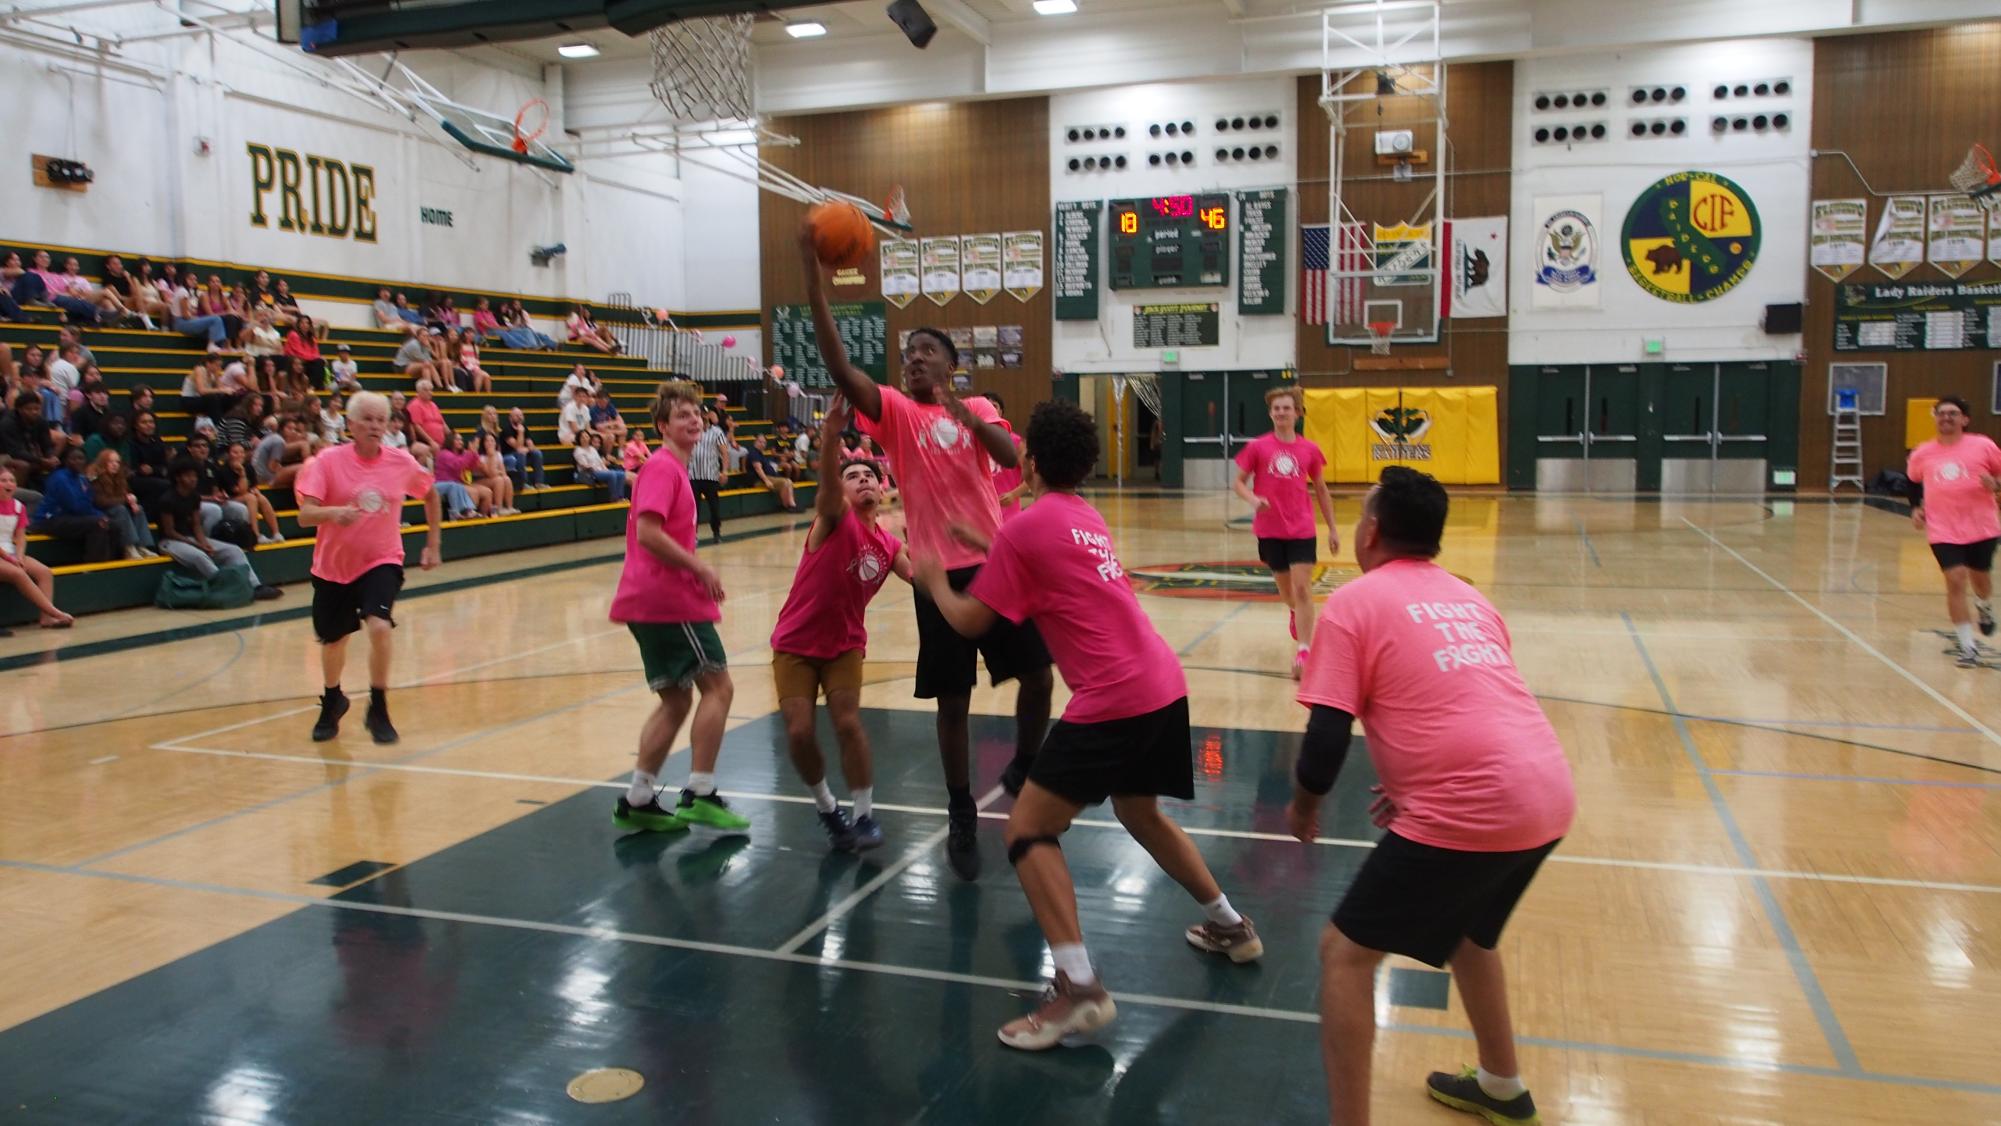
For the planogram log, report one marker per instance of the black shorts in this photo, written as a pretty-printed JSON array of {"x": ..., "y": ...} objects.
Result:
[
  {"x": 1281, "y": 555},
  {"x": 946, "y": 664},
  {"x": 1421, "y": 901},
  {"x": 1976, "y": 556},
  {"x": 1143, "y": 754},
  {"x": 339, "y": 607}
]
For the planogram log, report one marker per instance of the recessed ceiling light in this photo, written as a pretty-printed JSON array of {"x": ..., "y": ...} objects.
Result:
[
  {"x": 1055, "y": 7},
  {"x": 577, "y": 51},
  {"x": 806, "y": 29}
]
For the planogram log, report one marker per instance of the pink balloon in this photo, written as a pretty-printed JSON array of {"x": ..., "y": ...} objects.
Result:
[
  {"x": 778, "y": 371},
  {"x": 729, "y": 341}
]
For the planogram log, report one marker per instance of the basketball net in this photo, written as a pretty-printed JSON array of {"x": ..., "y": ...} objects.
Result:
[
  {"x": 1379, "y": 337},
  {"x": 525, "y": 134},
  {"x": 1978, "y": 177}
]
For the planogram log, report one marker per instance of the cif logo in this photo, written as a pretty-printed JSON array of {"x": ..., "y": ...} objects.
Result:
[{"x": 1691, "y": 237}]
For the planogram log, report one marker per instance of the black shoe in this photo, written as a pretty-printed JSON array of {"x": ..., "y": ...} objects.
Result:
[
  {"x": 840, "y": 830},
  {"x": 962, "y": 843},
  {"x": 266, "y": 593},
  {"x": 379, "y": 726},
  {"x": 868, "y": 833},
  {"x": 1463, "y": 1092},
  {"x": 333, "y": 705},
  {"x": 1016, "y": 775}
]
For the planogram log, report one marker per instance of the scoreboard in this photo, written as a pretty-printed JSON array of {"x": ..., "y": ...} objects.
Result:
[{"x": 1170, "y": 242}]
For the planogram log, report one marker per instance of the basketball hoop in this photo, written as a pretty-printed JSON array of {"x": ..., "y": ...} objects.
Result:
[
  {"x": 529, "y": 124},
  {"x": 895, "y": 208},
  {"x": 702, "y": 68},
  {"x": 1379, "y": 336},
  {"x": 1978, "y": 177}
]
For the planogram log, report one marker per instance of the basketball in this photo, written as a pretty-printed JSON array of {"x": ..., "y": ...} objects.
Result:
[{"x": 842, "y": 236}]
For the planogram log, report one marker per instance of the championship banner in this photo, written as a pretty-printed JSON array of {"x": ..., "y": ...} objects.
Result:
[
  {"x": 1567, "y": 248},
  {"x": 1956, "y": 234},
  {"x": 1452, "y": 433},
  {"x": 1899, "y": 244},
  {"x": 1021, "y": 263},
  {"x": 899, "y": 272},
  {"x": 940, "y": 264},
  {"x": 1399, "y": 248},
  {"x": 1478, "y": 251},
  {"x": 1691, "y": 237},
  {"x": 1839, "y": 233},
  {"x": 980, "y": 266}
]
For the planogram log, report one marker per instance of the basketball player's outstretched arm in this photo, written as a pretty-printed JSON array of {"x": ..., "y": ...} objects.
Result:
[
  {"x": 830, "y": 500},
  {"x": 853, "y": 381}
]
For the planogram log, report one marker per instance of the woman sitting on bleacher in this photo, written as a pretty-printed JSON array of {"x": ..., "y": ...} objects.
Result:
[
  {"x": 303, "y": 343},
  {"x": 30, "y": 576},
  {"x": 517, "y": 333},
  {"x": 42, "y": 285},
  {"x": 110, "y": 307},
  {"x": 184, "y": 313},
  {"x": 117, "y": 503},
  {"x": 454, "y": 462},
  {"x": 438, "y": 312},
  {"x": 295, "y": 387},
  {"x": 241, "y": 423},
  {"x": 216, "y": 301},
  {"x": 491, "y": 471},
  {"x": 68, "y": 511},
  {"x": 133, "y": 293},
  {"x": 146, "y": 460},
  {"x": 518, "y": 450},
  {"x": 202, "y": 391},
  {"x": 585, "y": 331},
  {"x": 287, "y": 306},
  {"x": 480, "y": 382},
  {"x": 485, "y": 325},
  {"x": 389, "y": 317},
  {"x": 232, "y": 476},
  {"x": 591, "y": 467},
  {"x": 261, "y": 339}
]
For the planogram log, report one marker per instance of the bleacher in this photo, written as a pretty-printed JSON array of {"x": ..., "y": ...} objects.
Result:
[{"x": 565, "y": 512}]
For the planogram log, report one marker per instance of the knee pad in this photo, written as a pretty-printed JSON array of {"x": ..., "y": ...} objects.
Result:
[{"x": 1020, "y": 848}]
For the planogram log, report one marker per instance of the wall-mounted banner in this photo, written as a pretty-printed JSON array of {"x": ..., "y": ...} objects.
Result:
[
  {"x": 980, "y": 264},
  {"x": 1899, "y": 244},
  {"x": 1399, "y": 248},
  {"x": 1566, "y": 244},
  {"x": 899, "y": 271},
  {"x": 314, "y": 194},
  {"x": 1077, "y": 259},
  {"x": 941, "y": 268},
  {"x": 1262, "y": 237},
  {"x": 1691, "y": 237},
  {"x": 1478, "y": 251},
  {"x": 1021, "y": 263},
  {"x": 1840, "y": 232},
  {"x": 1956, "y": 234}
]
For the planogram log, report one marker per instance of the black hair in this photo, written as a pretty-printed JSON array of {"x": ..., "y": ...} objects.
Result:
[
  {"x": 867, "y": 463},
  {"x": 943, "y": 340},
  {"x": 1956, "y": 401},
  {"x": 1063, "y": 440},
  {"x": 183, "y": 464},
  {"x": 1410, "y": 511},
  {"x": 27, "y": 398},
  {"x": 999, "y": 407}
]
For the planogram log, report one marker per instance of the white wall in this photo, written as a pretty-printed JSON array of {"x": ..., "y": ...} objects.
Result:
[
  {"x": 1773, "y": 168},
  {"x": 1245, "y": 342}
]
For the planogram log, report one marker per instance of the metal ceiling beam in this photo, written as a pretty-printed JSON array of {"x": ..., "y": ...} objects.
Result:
[{"x": 962, "y": 16}]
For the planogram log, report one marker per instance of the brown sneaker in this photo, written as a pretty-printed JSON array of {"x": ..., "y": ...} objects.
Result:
[
  {"x": 1067, "y": 1010},
  {"x": 1240, "y": 943}
]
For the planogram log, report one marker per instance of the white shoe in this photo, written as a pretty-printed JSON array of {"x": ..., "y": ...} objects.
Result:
[{"x": 133, "y": 553}]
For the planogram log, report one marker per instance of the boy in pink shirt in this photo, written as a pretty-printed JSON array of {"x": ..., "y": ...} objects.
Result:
[
  {"x": 944, "y": 449},
  {"x": 354, "y": 495},
  {"x": 820, "y": 638},
  {"x": 1124, "y": 736},
  {"x": 1953, "y": 481},
  {"x": 1475, "y": 794},
  {"x": 1009, "y": 488},
  {"x": 671, "y": 601},
  {"x": 1274, "y": 474}
]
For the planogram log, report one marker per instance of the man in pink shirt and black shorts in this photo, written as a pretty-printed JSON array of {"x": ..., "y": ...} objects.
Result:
[
  {"x": 1124, "y": 735},
  {"x": 1275, "y": 473},
  {"x": 944, "y": 449},
  {"x": 354, "y": 495},
  {"x": 1475, "y": 794},
  {"x": 1953, "y": 481}
]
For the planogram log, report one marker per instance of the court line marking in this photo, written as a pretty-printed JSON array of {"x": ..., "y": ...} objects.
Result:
[
  {"x": 1585, "y": 534},
  {"x": 1775, "y": 915},
  {"x": 1682, "y": 867},
  {"x": 1937, "y": 783},
  {"x": 1940, "y": 698},
  {"x": 1290, "y": 1016}
]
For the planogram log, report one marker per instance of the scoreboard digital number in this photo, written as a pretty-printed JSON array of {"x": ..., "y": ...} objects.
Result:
[{"x": 1170, "y": 242}]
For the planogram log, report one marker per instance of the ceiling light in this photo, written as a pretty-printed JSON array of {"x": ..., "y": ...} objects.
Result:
[
  {"x": 577, "y": 51},
  {"x": 1055, "y": 7},
  {"x": 806, "y": 29}
]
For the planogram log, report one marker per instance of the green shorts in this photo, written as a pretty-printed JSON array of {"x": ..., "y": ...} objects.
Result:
[{"x": 675, "y": 653}]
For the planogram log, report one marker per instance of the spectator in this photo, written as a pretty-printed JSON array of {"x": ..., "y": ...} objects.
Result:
[
  {"x": 147, "y": 460},
  {"x": 580, "y": 378},
  {"x": 31, "y": 577},
  {"x": 333, "y": 421},
  {"x": 183, "y": 537},
  {"x": 88, "y": 419},
  {"x": 520, "y": 454},
  {"x": 453, "y": 496},
  {"x": 705, "y": 470},
  {"x": 26, "y": 446},
  {"x": 236, "y": 379},
  {"x": 410, "y": 316},
  {"x": 184, "y": 308},
  {"x": 606, "y": 420},
  {"x": 10, "y": 272},
  {"x": 267, "y": 459},
  {"x": 217, "y": 506},
  {"x": 217, "y": 301},
  {"x": 476, "y": 378},
  {"x": 286, "y": 304},
  {"x": 295, "y": 387},
  {"x": 265, "y": 377},
  {"x": 62, "y": 377},
  {"x": 68, "y": 512},
  {"x": 591, "y": 467},
  {"x": 202, "y": 392},
  {"x": 414, "y": 357},
  {"x": 260, "y": 339},
  {"x": 397, "y": 437},
  {"x": 42, "y": 285},
  {"x": 485, "y": 325},
  {"x": 136, "y": 292},
  {"x": 574, "y": 418},
  {"x": 516, "y": 332},
  {"x": 585, "y": 331},
  {"x": 70, "y": 334},
  {"x": 427, "y": 421},
  {"x": 343, "y": 374},
  {"x": 303, "y": 343},
  {"x": 119, "y": 505},
  {"x": 389, "y": 317},
  {"x": 114, "y": 434},
  {"x": 141, "y": 398},
  {"x": 232, "y": 476},
  {"x": 438, "y": 312},
  {"x": 771, "y": 474},
  {"x": 258, "y": 292},
  {"x": 109, "y": 308},
  {"x": 636, "y": 452},
  {"x": 239, "y": 425},
  {"x": 455, "y": 461},
  {"x": 490, "y": 471}
]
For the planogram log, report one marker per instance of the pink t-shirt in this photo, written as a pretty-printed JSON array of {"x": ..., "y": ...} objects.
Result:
[
  {"x": 12, "y": 515},
  {"x": 648, "y": 589},
  {"x": 636, "y": 455},
  {"x": 943, "y": 471},
  {"x": 1457, "y": 738},
  {"x": 823, "y": 616},
  {"x": 1958, "y": 508},
  {"x": 454, "y": 466},
  {"x": 1282, "y": 473},
  {"x": 427, "y": 418},
  {"x": 377, "y": 486},
  {"x": 1007, "y": 481},
  {"x": 1055, "y": 563}
]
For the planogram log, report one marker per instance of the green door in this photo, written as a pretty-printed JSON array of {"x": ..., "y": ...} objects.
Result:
[
  {"x": 1561, "y": 407},
  {"x": 1249, "y": 415},
  {"x": 1744, "y": 394},
  {"x": 1612, "y": 430},
  {"x": 1203, "y": 425},
  {"x": 1688, "y": 428}
]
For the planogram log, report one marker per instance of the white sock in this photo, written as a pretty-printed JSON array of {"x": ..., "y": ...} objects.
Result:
[
  {"x": 1501, "y": 1086},
  {"x": 823, "y": 798},
  {"x": 1965, "y": 632},
  {"x": 701, "y": 783},
  {"x": 1221, "y": 913},
  {"x": 1072, "y": 962},
  {"x": 864, "y": 799},
  {"x": 642, "y": 788}
]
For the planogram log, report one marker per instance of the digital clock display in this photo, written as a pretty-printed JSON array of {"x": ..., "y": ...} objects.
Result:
[{"x": 1170, "y": 241}]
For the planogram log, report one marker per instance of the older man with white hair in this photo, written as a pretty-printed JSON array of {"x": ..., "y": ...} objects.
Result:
[{"x": 354, "y": 495}]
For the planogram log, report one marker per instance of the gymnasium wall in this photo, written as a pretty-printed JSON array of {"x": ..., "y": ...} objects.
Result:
[{"x": 1904, "y": 106}]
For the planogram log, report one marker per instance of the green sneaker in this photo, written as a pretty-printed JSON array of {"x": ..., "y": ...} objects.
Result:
[
  {"x": 1463, "y": 1092},
  {"x": 710, "y": 810},
  {"x": 649, "y": 818}
]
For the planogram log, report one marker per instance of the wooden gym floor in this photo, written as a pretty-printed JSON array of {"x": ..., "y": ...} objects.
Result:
[{"x": 1781, "y": 901}]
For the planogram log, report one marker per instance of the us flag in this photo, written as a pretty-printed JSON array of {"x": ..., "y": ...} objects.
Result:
[{"x": 1313, "y": 257}]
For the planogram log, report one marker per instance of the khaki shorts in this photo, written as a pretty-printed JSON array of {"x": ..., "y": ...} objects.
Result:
[{"x": 807, "y": 677}]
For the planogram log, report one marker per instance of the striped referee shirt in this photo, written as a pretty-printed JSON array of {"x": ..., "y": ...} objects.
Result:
[{"x": 705, "y": 461}]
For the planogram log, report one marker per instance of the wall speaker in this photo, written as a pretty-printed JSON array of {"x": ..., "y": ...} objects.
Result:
[{"x": 1783, "y": 320}]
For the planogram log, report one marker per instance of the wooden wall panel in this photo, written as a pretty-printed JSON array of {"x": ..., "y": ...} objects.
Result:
[
  {"x": 968, "y": 168},
  {"x": 1904, "y": 107}
]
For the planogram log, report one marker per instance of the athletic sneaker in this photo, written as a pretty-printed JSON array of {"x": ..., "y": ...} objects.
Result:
[
  {"x": 1986, "y": 619},
  {"x": 868, "y": 833},
  {"x": 378, "y": 725},
  {"x": 1969, "y": 659},
  {"x": 1463, "y": 1092},
  {"x": 1067, "y": 1010},
  {"x": 1016, "y": 775},
  {"x": 649, "y": 818},
  {"x": 710, "y": 810},
  {"x": 840, "y": 830},
  {"x": 332, "y": 706},
  {"x": 266, "y": 593},
  {"x": 1239, "y": 943},
  {"x": 962, "y": 843}
]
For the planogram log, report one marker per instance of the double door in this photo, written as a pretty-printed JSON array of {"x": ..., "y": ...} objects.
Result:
[
  {"x": 1716, "y": 428},
  {"x": 1587, "y": 428}
]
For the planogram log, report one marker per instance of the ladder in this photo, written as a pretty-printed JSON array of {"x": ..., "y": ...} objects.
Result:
[{"x": 1845, "y": 460}]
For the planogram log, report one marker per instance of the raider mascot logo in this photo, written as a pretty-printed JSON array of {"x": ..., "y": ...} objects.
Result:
[{"x": 1400, "y": 433}]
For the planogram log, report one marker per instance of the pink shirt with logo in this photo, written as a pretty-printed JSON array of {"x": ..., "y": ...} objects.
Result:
[
  {"x": 341, "y": 476},
  {"x": 823, "y": 615},
  {"x": 943, "y": 471},
  {"x": 1282, "y": 473},
  {"x": 1457, "y": 738},
  {"x": 1056, "y": 564},
  {"x": 1958, "y": 508},
  {"x": 648, "y": 589}
]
